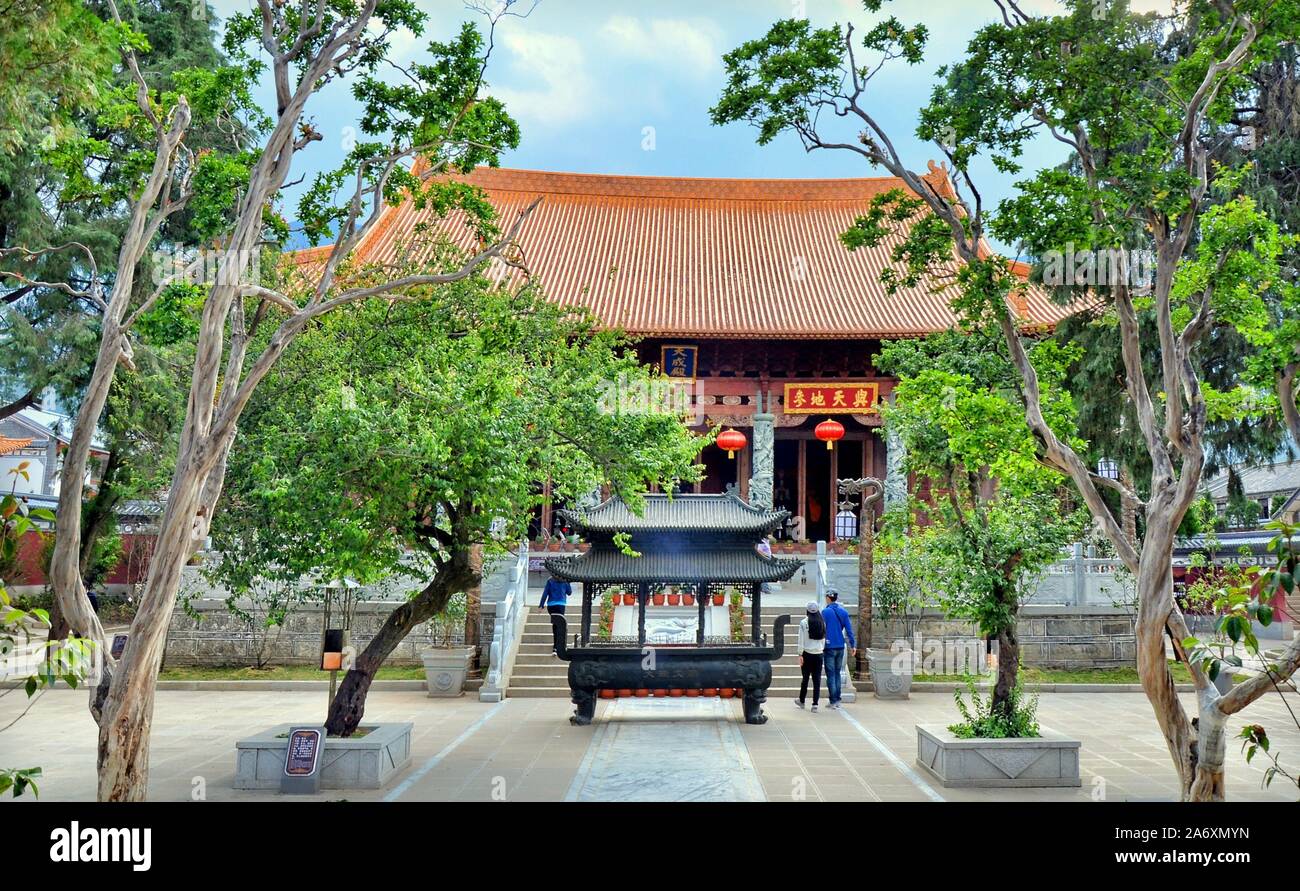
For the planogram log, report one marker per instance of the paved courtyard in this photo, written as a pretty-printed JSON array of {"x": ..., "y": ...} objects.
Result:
[{"x": 647, "y": 749}]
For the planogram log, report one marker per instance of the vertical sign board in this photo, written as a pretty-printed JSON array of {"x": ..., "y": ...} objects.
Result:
[
  {"x": 118, "y": 647},
  {"x": 302, "y": 761}
]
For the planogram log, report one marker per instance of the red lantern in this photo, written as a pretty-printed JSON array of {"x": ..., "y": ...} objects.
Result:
[
  {"x": 733, "y": 441},
  {"x": 828, "y": 431}
]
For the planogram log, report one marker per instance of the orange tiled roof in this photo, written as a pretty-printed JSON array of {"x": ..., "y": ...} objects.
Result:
[
  {"x": 9, "y": 444},
  {"x": 669, "y": 256}
]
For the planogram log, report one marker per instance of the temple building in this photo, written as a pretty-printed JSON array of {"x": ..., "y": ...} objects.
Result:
[{"x": 740, "y": 289}]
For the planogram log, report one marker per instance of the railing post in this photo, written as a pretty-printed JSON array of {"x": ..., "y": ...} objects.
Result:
[{"x": 1080, "y": 577}]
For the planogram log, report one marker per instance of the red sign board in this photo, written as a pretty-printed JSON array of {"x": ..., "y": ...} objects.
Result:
[{"x": 838, "y": 398}]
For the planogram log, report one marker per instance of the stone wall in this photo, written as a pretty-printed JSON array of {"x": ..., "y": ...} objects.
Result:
[
  {"x": 1057, "y": 639},
  {"x": 219, "y": 638}
]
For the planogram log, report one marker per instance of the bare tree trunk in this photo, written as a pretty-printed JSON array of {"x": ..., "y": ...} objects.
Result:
[
  {"x": 1128, "y": 507},
  {"x": 127, "y": 710},
  {"x": 1008, "y": 670},
  {"x": 349, "y": 705},
  {"x": 1155, "y": 587}
]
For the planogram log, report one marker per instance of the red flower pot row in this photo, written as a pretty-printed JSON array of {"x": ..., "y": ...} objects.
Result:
[{"x": 676, "y": 692}]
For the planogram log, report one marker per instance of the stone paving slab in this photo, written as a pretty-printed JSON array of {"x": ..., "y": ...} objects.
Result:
[{"x": 525, "y": 749}]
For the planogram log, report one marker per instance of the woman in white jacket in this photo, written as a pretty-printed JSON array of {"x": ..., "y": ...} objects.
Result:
[{"x": 812, "y": 643}]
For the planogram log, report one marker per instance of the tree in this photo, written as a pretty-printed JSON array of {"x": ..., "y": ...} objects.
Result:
[
  {"x": 20, "y": 627},
  {"x": 396, "y": 440},
  {"x": 438, "y": 112},
  {"x": 997, "y": 513},
  {"x": 1134, "y": 97}
]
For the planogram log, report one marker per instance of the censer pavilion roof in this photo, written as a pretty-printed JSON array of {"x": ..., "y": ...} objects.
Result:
[
  {"x": 680, "y": 538},
  {"x": 727, "y": 565},
  {"x": 715, "y": 514}
]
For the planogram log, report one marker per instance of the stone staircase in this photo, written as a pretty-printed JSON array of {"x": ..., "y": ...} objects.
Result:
[{"x": 539, "y": 674}]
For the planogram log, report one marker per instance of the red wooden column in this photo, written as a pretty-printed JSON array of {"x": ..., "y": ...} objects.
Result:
[
  {"x": 803, "y": 484},
  {"x": 835, "y": 494}
]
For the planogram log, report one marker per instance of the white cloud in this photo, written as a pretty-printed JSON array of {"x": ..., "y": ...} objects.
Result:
[
  {"x": 678, "y": 45},
  {"x": 559, "y": 90}
]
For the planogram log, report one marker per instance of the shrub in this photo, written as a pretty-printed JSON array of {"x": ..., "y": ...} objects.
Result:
[{"x": 981, "y": 721}]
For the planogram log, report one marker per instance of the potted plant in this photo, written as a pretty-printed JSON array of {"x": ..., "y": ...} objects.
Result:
[
  {"x": 719, "y": 598},
  {"x": 688, "y": 597},
  {"x": 445, "y": 665},
  {"x": 737, "y": 616},
  {"x": 658, "y": 596},
  {"x": 674, "y": 596},
  {"x": 897, "y": 602},
  {"x": 629, "y": 598},
  {"x": 606, "y": 629}
]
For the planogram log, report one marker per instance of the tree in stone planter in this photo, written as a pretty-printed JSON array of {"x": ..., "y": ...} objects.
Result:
[
  {"x": 399, "y": 438},
  {"x": 995, "y": 516},
  {"x": 438, "y": 110},
  {"x": 1140, "y": 101}
]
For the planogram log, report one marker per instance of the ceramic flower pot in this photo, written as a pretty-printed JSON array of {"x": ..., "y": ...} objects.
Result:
[
  {"x": 674, "y": 599},
  {"x": 641, "y": 694},
  {"x": 657, "y": 599},
  {"x": 676, "y": 692},
  {"x": 622, "y": 693},
  {"x": 608, "y": 694},
  {"x": 710, "y": 691},
  {"x": 692, "y": 692},
  {"x": 661, "y": 693},
  {"x": 688, "y": 600},
  {"x": 727, "y": 692},
  {"x": 719, "y": 599},
  {"x": 629, "y": 600}
]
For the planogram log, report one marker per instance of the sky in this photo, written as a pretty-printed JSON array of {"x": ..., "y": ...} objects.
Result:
[{"x": 625, "y": 87}]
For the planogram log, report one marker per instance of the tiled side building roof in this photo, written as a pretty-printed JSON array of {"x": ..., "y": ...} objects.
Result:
[{"x": 724, "y": 258}]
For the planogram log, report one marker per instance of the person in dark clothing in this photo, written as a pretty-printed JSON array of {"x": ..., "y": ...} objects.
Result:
[
  {"x": 93, "y": 598},
  {"x": 812, "y": 642},
  {"x": 555, "y": 597}
]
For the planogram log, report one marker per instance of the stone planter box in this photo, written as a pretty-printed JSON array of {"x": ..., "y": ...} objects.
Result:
[
  {"x": 445, "y": 670},
  {"x": 366, "y": 762},
  {"x": 1047, "y": 760},
  {"x": 891, "y": 673}
]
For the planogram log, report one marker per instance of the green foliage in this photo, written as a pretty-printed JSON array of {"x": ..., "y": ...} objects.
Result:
[
  {"x": 395, "y": 434},
  {"x": 1242, "y": 595},
  {"x": 449, "y": 621},
  {"x": 67, "y": 661},
  {"x": 1254, "y": 741},
  {"x": 995, "y": 513},
  {"x": 983, "y": 720}
]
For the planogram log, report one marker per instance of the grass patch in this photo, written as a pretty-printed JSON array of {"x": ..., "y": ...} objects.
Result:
[
  {"x": 1029, "y": 675},
  {"x": 280, "y": 673}
]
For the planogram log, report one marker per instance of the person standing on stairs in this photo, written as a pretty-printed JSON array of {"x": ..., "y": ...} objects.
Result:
[
  {"x": 555, "y": 597},
  {"x": 838, "y": 627},
  {"x": 812, "y": 643}
]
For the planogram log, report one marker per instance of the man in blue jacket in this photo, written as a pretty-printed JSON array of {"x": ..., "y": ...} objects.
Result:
[
  {"x": 555, "y": 597},
  {"x": 838, "y": 627}
]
